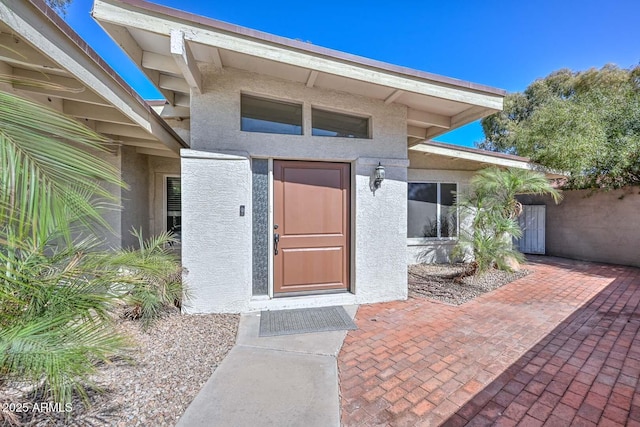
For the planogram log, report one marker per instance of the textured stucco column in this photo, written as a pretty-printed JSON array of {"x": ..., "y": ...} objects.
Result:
[
  {"x": 380, "y": 232},
  {"x": 216, "y": 245}
]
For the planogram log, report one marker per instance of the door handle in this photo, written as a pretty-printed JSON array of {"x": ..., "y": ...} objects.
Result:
[{"x": 276, "y": 239}]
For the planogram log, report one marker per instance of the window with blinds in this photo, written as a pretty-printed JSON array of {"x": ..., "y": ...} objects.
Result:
[{"x": 174, "y": 206}]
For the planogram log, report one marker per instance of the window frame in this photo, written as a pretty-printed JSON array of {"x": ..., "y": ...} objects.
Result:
[
  {"x": 165, "y": 203},
  {"x": 274, "y": 100},
  {"x": 422, "y": 240},
  {"x": 330, "y": 110}
]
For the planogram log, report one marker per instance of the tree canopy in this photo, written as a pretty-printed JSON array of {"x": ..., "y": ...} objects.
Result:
[{"x": 584, "y": 123}]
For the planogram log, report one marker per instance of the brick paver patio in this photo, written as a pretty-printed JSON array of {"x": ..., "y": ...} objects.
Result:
[{"x": 554, "y": 348}]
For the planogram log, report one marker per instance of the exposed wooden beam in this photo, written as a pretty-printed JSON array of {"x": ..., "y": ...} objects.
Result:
[
  {"x": 154, "y": 76},
  {"x": 216, "y": 58},
  {"x": 412, "y": 142},
  {"x": 183, "y": 56},
  {"x": 170, "y": 112},
  {"x": 434, "y": 131},
  {"x": 416, "y": 117},
  {"x": 98, "y": 113},
  {"x": 416, "y": 132},
  {"x": 183, "y": 100},
  {"x": 160, "y": 153},
  {"x": 143, "y": 143},
  {"x": 123, "y": 38},
  {"x": 173, "y": 83},
  {"x": 78, "y": 61},
  {"x": 123, "y": 131},
  {"x": 155, "y": 61},
  {"x": 469, "y": 115},
  {"x": 17, "y": 52},
  {"x": 395, "y": 95},
  {"x": 75, "y": 94},
  {"x": 311, "y": 80}
]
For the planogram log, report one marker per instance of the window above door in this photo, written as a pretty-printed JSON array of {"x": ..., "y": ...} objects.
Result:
[
  {"x": 270, "y": 116},
  {"x": 265, "y": 115}
]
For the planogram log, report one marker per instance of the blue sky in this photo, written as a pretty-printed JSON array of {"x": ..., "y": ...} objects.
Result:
[{"x": 506, "y": 44}]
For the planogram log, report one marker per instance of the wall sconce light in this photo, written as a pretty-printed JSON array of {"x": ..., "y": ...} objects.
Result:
[{"x": 378, "y": 176}]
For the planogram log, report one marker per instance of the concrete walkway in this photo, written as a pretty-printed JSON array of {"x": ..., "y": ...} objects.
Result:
[
  {"x": 289, "y": 380},
  {"x": 558, "y": 347}
]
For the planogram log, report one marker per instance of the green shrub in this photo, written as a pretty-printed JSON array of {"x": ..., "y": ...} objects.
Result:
[
  {"x": 151, "y": 277},
  {"x": 493, "y": 208}
]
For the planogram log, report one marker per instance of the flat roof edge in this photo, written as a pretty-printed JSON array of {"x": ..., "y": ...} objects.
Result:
[
  {"x": 478, "y": 151},
  {"x": 200, "y": 20}
]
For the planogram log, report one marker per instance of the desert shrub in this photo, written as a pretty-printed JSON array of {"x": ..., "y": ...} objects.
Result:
[{"x": 492, "y": 205}]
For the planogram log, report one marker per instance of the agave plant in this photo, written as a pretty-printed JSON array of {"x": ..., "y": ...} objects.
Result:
[{"x": 493, "y": 208}]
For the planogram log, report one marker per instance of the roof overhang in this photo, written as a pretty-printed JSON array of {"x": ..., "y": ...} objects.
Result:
[
  {"x": 37, "y": 45},
  {"x": 170, "y": 45},
  {"x": 476, "y": 159}
]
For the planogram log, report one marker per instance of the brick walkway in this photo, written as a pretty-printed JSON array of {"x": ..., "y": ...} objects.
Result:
[{"x": 555, "y": 347}]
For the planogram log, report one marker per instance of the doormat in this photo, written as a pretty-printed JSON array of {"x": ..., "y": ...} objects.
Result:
[{"x": 304, "y": 321}]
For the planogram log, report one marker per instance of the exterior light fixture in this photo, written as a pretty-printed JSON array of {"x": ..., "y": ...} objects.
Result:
[{"x": 378, "y": 176}]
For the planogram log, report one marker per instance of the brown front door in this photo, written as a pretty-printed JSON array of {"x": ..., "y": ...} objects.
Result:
[{"x": 311, "y": 213}]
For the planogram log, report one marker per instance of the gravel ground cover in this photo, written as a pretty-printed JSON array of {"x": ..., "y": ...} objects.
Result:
[
  {"x": 441, "y": 282},
  {"x": 170, "y": 363}
]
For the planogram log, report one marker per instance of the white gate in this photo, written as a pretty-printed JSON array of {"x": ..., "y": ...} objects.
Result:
[{"x": 532, "y": 223}]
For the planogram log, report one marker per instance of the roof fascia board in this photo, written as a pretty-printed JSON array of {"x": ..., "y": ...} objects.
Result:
[
  {"x": 475, "y": 157},
  {"x": 129, "y": 15},
  {"x": 31, "y": 21}
]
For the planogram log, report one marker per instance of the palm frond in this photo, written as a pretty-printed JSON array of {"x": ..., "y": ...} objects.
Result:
[
  {"x": 50, "y": 174},
  {"x": 492, "y": 204}
]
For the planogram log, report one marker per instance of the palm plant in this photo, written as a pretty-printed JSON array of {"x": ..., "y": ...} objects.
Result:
[
  {"x": 150, "y": 279},
  {"x": 54, "y": 301},
  {"x": 491, "y": 203}
]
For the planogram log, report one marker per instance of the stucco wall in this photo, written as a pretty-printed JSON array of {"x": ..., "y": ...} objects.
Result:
[
  {"x": 112, "y": 237},
  {"x": 601, "y": 226},
  {"x": 135, "y": 200},
  {"x": 215, "y": 120},
  {"x": 142, "y": 204},
  {"x": 216, "y": 240},
  {"x": 216, "y": 180},
  {"x": 433, "y": 250},
  {"x": 380, "y": 233}
]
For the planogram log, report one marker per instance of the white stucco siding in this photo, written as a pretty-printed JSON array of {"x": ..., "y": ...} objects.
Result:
[
  {"x": 215, "y": 120},
  {"x": 220, "y": 274},
  {"x": 380, "y": 233},
  {"x": 432, "y": 250},
  {"x": 216, "y": 240},
  {"x": 112, "y": 237},
  {"x": 135, "y": 200}
]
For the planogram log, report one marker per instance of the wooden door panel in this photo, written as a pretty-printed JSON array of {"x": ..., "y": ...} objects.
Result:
[
  {"x": 316, "y": 268},
  {"x": 307, "y": 199},
  {"x": 311, "y": 209}
]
